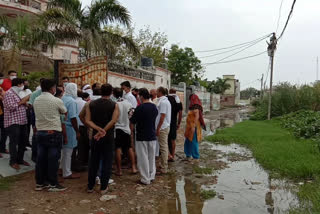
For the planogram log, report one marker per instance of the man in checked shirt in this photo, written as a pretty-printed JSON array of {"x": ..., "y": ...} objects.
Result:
[{"x": 15, "y": 122}]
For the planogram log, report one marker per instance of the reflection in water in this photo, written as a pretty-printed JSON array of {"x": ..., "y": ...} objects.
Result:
[{"x": 187, "y": 199}]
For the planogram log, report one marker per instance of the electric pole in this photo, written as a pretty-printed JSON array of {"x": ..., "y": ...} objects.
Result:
[
  {"x": 317, "y": 68},
  {"x": 261, "y": 92},
  {"x": 272, "y": 46}
]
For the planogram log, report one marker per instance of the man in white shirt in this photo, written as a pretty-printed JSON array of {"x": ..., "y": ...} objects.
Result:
[
  {"x": 22, "y": 94},
  {"x": 123, "y": 139},
  {"x": 126, "y": 87},
  {"x": 163, "y": 127}
]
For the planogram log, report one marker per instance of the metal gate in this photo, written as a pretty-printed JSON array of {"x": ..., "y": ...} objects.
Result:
[{"x": 89, "y": 72}]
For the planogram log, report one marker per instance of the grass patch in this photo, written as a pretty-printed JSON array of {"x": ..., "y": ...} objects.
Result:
[
  {"x": 275, "y": 148},
  {"x": 284, "y": 155},
  {"x": 207, "y": 194},
  {"x": 6, "y": 183},
  {"x": 202, "y": 170}
]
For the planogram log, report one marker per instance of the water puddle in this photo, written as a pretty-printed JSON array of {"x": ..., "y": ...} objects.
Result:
[{"x": 242, "y": 187}]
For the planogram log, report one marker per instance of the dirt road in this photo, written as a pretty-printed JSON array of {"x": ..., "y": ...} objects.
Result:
[{"x": 181, "y": 191}]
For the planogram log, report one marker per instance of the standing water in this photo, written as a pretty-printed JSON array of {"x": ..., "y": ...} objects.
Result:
[{"x": 242, "y": 186}]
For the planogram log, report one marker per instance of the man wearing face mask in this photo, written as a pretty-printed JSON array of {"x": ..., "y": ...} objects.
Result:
[
  {"x": 15, "y": 122},
  {"x": 7, "y": 83},
  {"x": 72, "y": 128},
  {"x": 48, "y": 110},
  {"x": 25, "y": 92},
  {"x": 126, "y": 87},
  {"x": 65, "y": 81}
]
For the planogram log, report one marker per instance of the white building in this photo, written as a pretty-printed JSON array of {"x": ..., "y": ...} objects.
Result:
[{"x": 66, "y": 51}]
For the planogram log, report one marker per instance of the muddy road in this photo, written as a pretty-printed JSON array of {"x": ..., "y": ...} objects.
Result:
[{"x": 239, "y": 184}]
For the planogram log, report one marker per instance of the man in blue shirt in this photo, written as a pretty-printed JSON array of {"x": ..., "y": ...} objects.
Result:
[{"x": 144, "y": 118}]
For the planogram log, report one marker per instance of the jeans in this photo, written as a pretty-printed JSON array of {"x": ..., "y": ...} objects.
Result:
[
  {"x": 17, "y": 135},
  {"x": 49, "y": 152},
  {"x": 101, "y": 151}
]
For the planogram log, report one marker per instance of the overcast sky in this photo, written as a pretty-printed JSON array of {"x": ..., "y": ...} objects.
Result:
[{"x": 211, "y": 24}]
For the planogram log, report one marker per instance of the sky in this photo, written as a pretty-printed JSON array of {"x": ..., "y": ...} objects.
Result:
[{"x": 211, "y": 24}]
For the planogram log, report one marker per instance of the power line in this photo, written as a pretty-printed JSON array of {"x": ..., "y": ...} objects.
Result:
[
  {"x": 235, "y": 60},
  {"x": 288, "y": 19},
  {"x": 233, "y": 54},
  {"x": 202, "y": 57},
  {"x": 280, "y": 9},
  {"x": 219, "y": 49}
]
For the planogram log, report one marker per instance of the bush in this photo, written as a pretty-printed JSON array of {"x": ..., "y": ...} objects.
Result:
[
  {"x": 287, "y": 98},
  {"x": 303, "y": 124}
]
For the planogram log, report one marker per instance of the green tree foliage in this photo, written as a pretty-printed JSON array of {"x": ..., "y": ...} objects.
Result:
[
  {"x": 218, "y": 86},
  {"x": 152, "y": 45},
  {"x": 25, "y": 34},
  {"x": 184, "y": 65},
  {"x": 34, "y": 78},
  {"x": 71, "y": 22},
  {"x": 249, "y": 93}
]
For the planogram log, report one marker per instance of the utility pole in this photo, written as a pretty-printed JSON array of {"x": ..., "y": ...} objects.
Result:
[
  {"x": 272, "y": 46},
  {"x": 261, "y": 92},
  {"x": 317, "y": 68}
]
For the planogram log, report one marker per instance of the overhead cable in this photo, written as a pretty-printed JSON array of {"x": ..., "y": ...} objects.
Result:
[
  {"x": 288, "y": 19},
  {"x": 219, "y": 49},
  {"x": 235, "y": 60},
  {"x": 212, "y": 55}
]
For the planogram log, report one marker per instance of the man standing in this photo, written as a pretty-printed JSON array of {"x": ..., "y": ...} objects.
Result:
[
  {"x": 15, "y": 122},
  {"x": 48, "y": 109},
  {"x": 123, "y": 132},
  {"x": 163, "y": 127},
  {"x": 26, "y": 92},
  {"x": 176, "y": 109},
  {"x": 101, "y": 116},
  {"x": 7, "y": 83},
  {"x": 126, "y": 87},
  {"x": 83, "y": 146},
  {"x": 72, "y": 129},
  {"x": 153, "y": 96},
  {"x": 65, "y": 81},
  {"x": 144, "y": 118}
]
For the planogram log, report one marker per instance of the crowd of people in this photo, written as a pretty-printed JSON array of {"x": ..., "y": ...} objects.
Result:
[{"x": 93, "y": 127}]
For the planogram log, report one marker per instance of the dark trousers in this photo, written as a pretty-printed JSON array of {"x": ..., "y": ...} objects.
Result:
[
  {"x": 3, "y": 139},
  {"x": 49, "y": 152},
  {"x": 101, "y": 151},
  {"x": 34, "y": 147},
  {"x": 83, "y": 146},
  {"x": 17, "y": 135}
]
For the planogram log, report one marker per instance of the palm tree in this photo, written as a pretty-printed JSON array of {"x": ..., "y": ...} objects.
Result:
[
  {"x": 87, "y": 25},
  {"x": 24, "y": 34},
  {"x": 219, "y": 86}
]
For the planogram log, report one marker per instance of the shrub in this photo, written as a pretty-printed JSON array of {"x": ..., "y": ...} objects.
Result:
[{"x": 287, "y": 98}]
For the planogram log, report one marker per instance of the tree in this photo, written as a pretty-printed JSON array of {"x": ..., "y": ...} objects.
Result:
[
  {"x": 184, "y": 65},
  {"x": 25, "y": 34},
  {"x": 71, "y": 22},
  {"x": 219, "y": 86},
  {"x": 249, "y": 93},
  {"x": 152, "y": 45}
]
